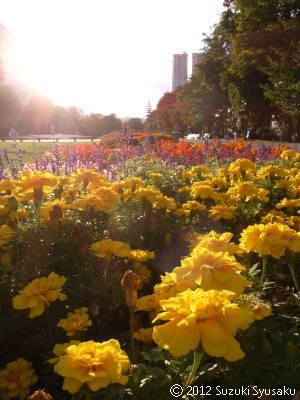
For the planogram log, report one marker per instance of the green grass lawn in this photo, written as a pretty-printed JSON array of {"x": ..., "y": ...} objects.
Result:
[{"x": 31, "y": 150}]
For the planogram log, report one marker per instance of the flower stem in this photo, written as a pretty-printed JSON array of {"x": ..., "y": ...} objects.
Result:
[
  {"x": 132, "y": 343},
  {"x": 198, "y": 355},
  {"x": 292, "y": 271},
  {"x": 106, "y": 264},
  {"x": 264, "y": 271}
]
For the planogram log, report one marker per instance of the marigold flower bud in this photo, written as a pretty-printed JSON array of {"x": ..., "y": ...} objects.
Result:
[
  {"x": 130, "y": 284},
  {"x": 40, "y": 395}
]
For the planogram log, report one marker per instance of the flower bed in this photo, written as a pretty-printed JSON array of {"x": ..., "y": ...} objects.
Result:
[{"x": 161, "y": 275}]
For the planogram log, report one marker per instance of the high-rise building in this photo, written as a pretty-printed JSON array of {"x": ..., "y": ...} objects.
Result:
[
  {"x": 179, "y": 70},
  {"x": 195, "y": 61}
]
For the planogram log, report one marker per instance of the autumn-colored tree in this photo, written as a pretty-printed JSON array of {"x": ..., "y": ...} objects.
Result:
[{"x": 170, "y": 113}]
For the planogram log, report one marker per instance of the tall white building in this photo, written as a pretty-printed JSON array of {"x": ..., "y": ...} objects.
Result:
[
  {"x": 179, "y": 77},
  {"x": 195, "y": 61}
]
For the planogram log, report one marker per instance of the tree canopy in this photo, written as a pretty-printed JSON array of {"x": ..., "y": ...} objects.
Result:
[{"x": 248, "y": 75}]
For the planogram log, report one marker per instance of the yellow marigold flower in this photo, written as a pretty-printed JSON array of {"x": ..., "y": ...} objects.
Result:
[
  {"x": 270, "y": 239},
  {"x": 126, "y": 187},
  {"x": 222, "y": 172},
  {"x": 155, "y": 175},
  {"x": 77, "y": 321},
  {"x": 259, "y": 309},
  {"x": 214, "y": 241},
  {"x": 294, "y": 243},
  {"x": 47, "y": 208},
  {"x": 243, "y": 164},
  {"x": 144, "y": 335},
  {"x": 93, "y": 364},
  {"x": 284, "y": 184},
  {"x": 63, "y": 180},
  {"x": 127, "y": 195},
  {"x": 203, "y": 191},
  {"x": 69, "y": 194},
  {"x": 210, "y": 270},
  {"x": 293, "y": 222},
  {"x": 16, "y": 379},
  {"x": 105, "y": 247},
  {"x": 271, "y": 171},
  {"x": 7, "y": 185},
  {"x": 262, "y": 195},
  {"x": 36, "y": 180},
  {"x": 286, "y": 154},
  {"x": 208, "y": 177},
  {"x": 245, "y": 189},
  {"x": 103, "y": 199},
  {"x": 164, "y": 202},
  {"x": 222, "y": 211},
  {"x": 149, "y": 193},
  {"x": 274, "y": 216},
  {"x": 6, "y": 233},
  {"x": 38, "y": 294},
  {"x": 140, "y": 255},
  {"x": 4, "y": 200},
  {"x": 143, "y": 272},
  {"x": 198, "y": 171},
  {"x": 186, "y": 175},
  {"x": 220, "y": 183},
  {"x": 60, "y": 350},
  {"x": 288, "y": 203},
  {"x": 134, "y": 183},
  {"x": 87, "y": 176},
  {"x": 168, "y": 286},
  {"x": 94, "y": 186},
  {"x": 181, "y": 212},
  {"x": 194, "y": 206},
  {"x": 3, "y": 211},
  {"x": 184, "y": 189},
  {"x": 225, "y": 198},
  {"x": 206, "y": 317},
  {"x": 148, "y": 303}
]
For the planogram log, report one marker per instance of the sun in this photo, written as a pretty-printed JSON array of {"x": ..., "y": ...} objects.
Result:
[{"x": 57, "y": 66}]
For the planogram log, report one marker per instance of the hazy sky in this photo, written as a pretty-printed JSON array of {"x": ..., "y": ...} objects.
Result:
[{"x": 107, "y": 56}]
